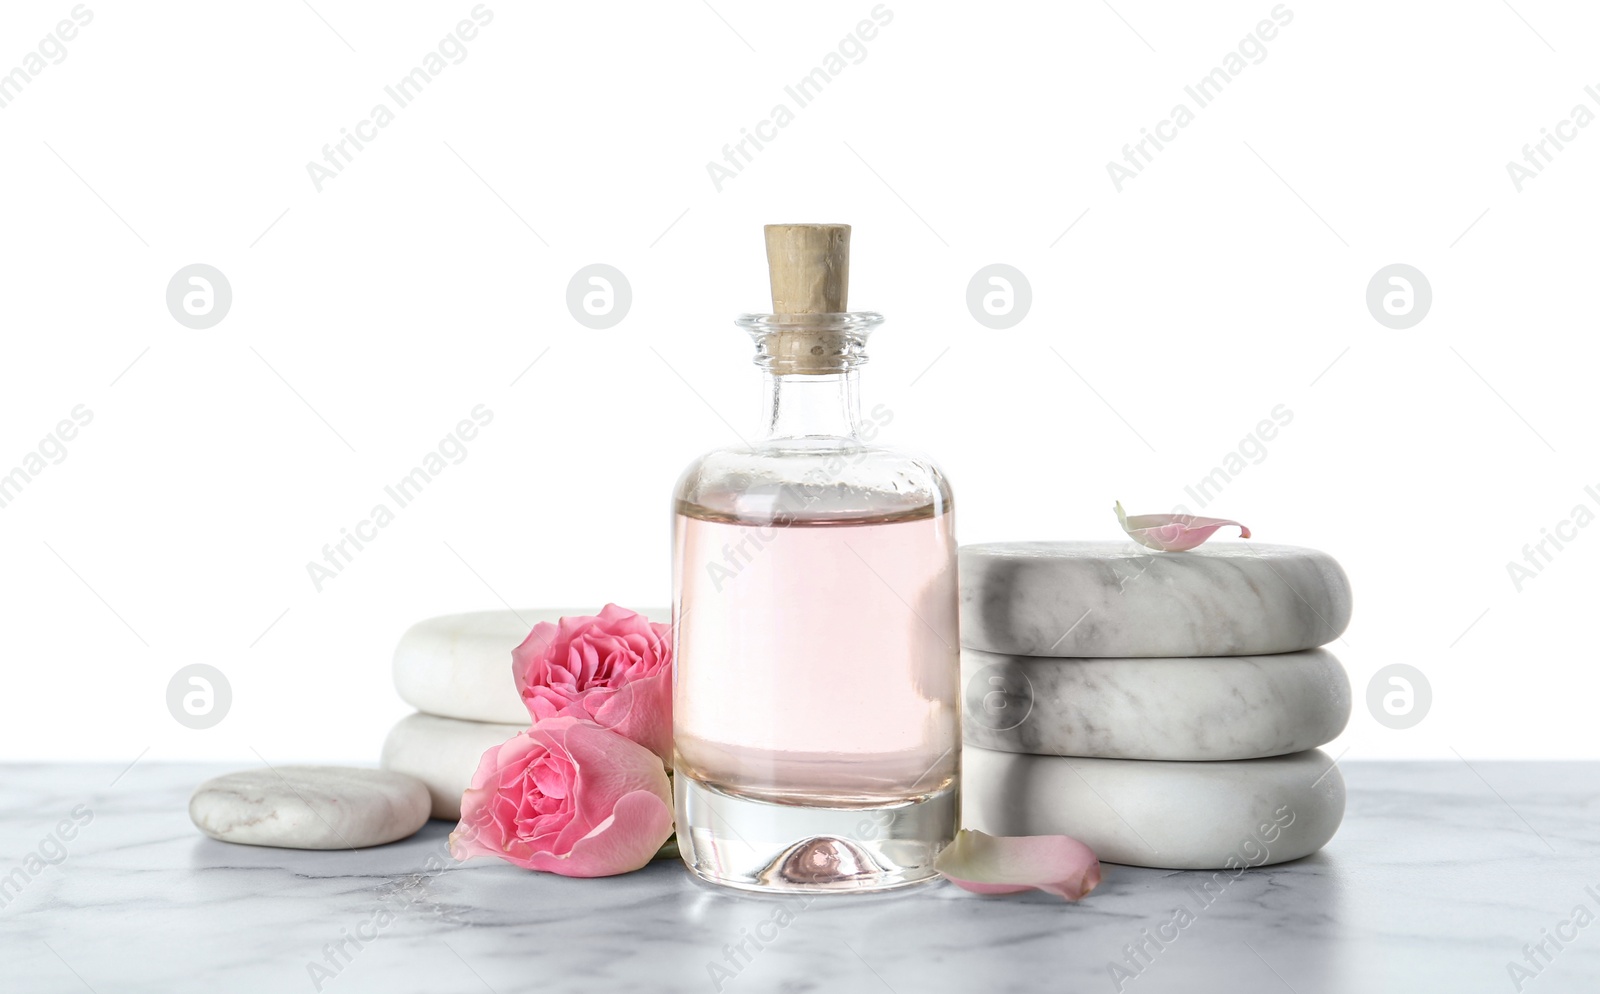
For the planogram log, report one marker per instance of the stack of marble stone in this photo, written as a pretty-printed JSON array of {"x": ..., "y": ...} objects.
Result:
[
  {"x": 1164, "y": 708},
  {"x": 456, "y": 671}
]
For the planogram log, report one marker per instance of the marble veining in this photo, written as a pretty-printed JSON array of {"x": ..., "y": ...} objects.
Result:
[
  {"x": 1434, "y": 883},
  {"x": 310, "y": 807},
  {"x": 1108, "y": 599},
  {"x": 1194, "y": 709}
]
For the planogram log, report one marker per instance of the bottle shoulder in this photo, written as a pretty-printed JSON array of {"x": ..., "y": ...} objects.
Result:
[{"x": 838, "y": 479}]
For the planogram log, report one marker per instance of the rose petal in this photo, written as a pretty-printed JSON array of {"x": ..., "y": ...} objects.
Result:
[
  {"x": 527, "y": 658},
  {"x": 1172, "y": 532},
  {"x": 988, "y": 864},
  {"x": 641, "y": 710},
  {"x": 629, "y": 839},
  {"x": 607, "y": 767}
]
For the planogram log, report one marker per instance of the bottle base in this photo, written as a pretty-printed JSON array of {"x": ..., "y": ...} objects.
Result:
[{"x": 758, "y": 845}]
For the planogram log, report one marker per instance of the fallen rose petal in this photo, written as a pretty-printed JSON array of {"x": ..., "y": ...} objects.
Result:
[
  {"x": 989, "y": 864},
  {"x": 1172, "y": 532}
]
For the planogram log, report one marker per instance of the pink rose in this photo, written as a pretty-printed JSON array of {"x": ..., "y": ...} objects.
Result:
[
  {"x": 568, "y": 797},
  {"x": 614, "y": 669}
]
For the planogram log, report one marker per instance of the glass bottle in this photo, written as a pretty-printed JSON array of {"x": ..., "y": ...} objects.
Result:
[{"x": 816, "y": 708}]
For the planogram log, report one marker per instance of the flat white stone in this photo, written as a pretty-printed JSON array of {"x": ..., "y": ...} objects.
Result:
[
  {"x": 443, "y": 753},
  {"x": 459, "y": 665},
  {"x": 1211, "y": 708},
  {"x": 310, "y": 807},
  {"x": 1112, "y": 599},
  {"x": 1180, "y": 816}
]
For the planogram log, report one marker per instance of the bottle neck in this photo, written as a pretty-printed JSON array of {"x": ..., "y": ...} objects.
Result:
[{"x": 812, "y": 405}]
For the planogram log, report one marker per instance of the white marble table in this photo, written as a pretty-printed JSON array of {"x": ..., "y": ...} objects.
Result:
[{"x": 1436, "y": 882}]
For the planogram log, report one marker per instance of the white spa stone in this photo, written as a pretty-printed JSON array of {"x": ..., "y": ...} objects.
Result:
[
  {"x": 310, "y": 807},
  {"x": 1208, "y": 708},
  {"x": 1111, "y": 599},
  {"x": 459, "y": 665},
  {"x": 1181, "y": 816},
  {"x": 443, "y": 753}
]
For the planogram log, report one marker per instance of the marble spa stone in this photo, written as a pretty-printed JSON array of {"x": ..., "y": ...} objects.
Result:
[
  {"x": 1180, "y": 816},
  {"x": 1197, "y": 709},
  {"x": 459, "y": 665},
  {"x": 1111, "y": 599},
  {"x": 443, "y": 753},
  {"x": 310, "y": 807}
]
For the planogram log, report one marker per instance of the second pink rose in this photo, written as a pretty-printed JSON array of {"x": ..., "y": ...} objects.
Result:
[{"x": 614, "y": 669}]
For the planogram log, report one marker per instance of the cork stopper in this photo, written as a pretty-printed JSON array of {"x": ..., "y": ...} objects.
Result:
[{"x": 810, "y": 267}]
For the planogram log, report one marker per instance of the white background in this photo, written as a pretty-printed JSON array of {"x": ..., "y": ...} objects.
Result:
[{"x": 1227, "y": 278}]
